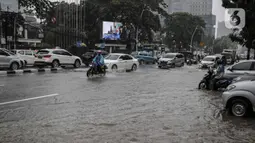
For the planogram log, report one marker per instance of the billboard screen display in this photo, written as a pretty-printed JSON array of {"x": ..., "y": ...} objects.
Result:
[{"x": 112, "y": 30}]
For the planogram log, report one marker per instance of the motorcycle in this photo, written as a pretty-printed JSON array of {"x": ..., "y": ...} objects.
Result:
[
  {"x": 93, "y": 71},
  {"x": 189, "y": 62},
  {"x": 206, "y": 83}
]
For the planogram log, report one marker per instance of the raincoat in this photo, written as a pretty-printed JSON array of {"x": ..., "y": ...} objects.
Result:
[{"x": 98, "y": 60}]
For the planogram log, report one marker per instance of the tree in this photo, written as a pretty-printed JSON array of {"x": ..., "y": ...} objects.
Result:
[
  {"x": 41, "y": 7},
  {"x": 180, "y": 28},
  {"x": 246, "y": 35},
  {"x": 223, "y": 43},
  {"x": 143, "y": 14},
  {"x": 90, "y": 14}
]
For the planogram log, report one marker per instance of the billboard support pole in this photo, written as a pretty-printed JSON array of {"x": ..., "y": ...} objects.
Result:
[{"x": 137, "y": 28}]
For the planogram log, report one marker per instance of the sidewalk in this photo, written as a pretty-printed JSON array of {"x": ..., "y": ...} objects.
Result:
[{"x": 31, "y": 70}]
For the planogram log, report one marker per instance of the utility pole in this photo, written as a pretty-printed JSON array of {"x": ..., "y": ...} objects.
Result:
[
  {"x": 192, "y": 37},
  {"x": 137, "y": 28},
  {"x": 14, "y": 31},
  {"x": 1, "y": 25}
]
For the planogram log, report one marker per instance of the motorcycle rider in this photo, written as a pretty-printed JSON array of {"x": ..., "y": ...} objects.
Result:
[
  {"x": 98, "y": 61},
  {"x": 220, "y": 70}
]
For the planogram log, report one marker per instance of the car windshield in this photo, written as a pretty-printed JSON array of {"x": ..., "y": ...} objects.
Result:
[
  {"x": 42, "y": 52},
  {"x": 11, "y": 53},
  {"x": 169, "y": 56},
  {"x": 209, "y": 59},
  {"x": 112, "y": 57}
]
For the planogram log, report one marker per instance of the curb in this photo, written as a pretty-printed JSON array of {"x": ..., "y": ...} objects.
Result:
[{"x": 29, "y": 71}]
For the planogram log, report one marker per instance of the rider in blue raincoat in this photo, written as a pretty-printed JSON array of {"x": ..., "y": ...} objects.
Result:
[{"x": 98, "y": 61}]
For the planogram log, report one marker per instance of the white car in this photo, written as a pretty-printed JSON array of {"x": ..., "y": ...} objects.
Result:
[
  {"x": 117, "y": 61},
  {"x": 208, "y": 61},
  {"x": 56, "y": 58},
  {"x": 8, "y": 60},
  {"x": 27, "y": 55}
]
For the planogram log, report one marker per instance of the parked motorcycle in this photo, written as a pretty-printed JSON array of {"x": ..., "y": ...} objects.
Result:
[
  {"x": 92, "y": 71},
  {"x": 205, "y": 83}
]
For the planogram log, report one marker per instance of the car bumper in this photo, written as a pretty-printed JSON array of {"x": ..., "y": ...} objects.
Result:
[
  {"x": 204, "y": 66},
  {"x": 166, "y": 65},
  {"x": 225, "y": 97}
]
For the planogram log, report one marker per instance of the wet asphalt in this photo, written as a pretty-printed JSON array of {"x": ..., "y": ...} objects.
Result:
[{"x": 146, "y": 106}]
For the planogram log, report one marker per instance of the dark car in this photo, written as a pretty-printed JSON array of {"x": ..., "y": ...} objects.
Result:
[{"x": 88, "y": 56}]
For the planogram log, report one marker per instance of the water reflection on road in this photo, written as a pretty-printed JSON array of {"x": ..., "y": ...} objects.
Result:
[{"x": 146, "y": 106}]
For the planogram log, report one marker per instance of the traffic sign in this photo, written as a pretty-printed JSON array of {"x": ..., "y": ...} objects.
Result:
[
  {"x": 202, "y": 44},
  {"x": 9, "y": 38},
  {"x": 3, "y": 41}
]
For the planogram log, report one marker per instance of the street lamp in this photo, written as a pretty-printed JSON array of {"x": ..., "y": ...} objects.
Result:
[{"x": 192, "y": 37}]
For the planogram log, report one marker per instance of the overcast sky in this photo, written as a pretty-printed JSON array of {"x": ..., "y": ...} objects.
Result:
[{"x": 218, "y": 10}]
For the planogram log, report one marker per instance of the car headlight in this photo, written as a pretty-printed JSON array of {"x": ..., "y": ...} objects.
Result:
[
  {"x": 230, "y": 87},
  {"x": 169, "y": 62}
]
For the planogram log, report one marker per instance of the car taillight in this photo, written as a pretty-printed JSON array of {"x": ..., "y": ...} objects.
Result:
[{"x": 47, "y": 56}]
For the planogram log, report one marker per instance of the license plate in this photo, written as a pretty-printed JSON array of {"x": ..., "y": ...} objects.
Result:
[{"x": 39, "y": 57}]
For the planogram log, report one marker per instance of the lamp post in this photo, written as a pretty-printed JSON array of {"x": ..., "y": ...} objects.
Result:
[
  {"x": 137, "y": 28},
  {"x": 192, "y": 37}
]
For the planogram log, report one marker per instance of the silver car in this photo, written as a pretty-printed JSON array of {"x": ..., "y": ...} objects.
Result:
[
  {"x": 8, "y": 60},
  {"x": 170, "y": 60},
  {"x": 239, "y": 98},
  {"x": 244, "y": 78},
  {"x": 241, "y": 68}
]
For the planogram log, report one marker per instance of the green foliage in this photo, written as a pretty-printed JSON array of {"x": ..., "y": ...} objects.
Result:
[
  {"x": 180, "y": 27},
  {"x": 91, "y": 13},
  {"x": 223, "y": 43},
  {"x": 41, "y": 7}
]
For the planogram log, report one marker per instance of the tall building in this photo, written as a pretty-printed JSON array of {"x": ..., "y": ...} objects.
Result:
[
  {"x": 203, "y": 8},
  {"x": 178, "y": 6},
  {"x": 222, "y": 30}
]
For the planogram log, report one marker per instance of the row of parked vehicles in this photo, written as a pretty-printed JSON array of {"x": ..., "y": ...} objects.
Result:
[
  {"x": 18, "y": 59},
  {"x": 238, "y": 84}
]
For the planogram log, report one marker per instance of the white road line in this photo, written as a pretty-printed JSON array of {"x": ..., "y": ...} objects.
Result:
[{"x": 28, "y": 99}]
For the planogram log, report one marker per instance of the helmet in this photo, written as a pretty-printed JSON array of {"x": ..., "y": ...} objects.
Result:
[
  {"x": 99, "y": 52},
  {"x": 219, "y": 61}
]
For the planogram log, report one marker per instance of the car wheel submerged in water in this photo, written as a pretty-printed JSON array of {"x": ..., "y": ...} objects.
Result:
[
  {"x": 77, "y": 64},
  {"x": 114, "y": 68},
  {"x": 239, "y": 108},
  {"x": 14, "y": 66},
  {"x": 55, "y": 64},
  {"x": 141, "y": 62},
  {"x": 134, "y": 67}
]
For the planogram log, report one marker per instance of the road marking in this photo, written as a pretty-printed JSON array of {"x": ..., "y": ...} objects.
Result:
[{"x": 28, "y": 99}]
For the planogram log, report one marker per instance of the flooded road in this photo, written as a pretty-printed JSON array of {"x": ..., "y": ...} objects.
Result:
[{"x": 146, "y": 106}]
